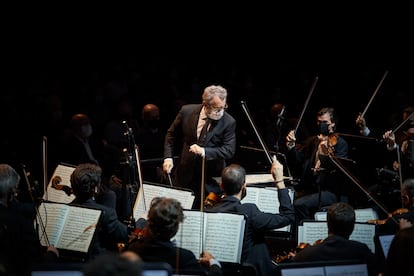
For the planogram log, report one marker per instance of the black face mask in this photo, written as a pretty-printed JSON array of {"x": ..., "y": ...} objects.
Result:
[
  {"x": 153, "y": 124},
  {"x": 324, "y": 128}
]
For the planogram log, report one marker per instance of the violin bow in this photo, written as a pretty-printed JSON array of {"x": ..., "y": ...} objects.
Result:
[
  {"x": 306, "y": 102},
  {"x": 335, "y": 160},
  {"x": 402, "y": 123},
  {"x": 256, "y": 132},
  {"x": 44, "y": 165},
  {"x": 373, "y": 95}
]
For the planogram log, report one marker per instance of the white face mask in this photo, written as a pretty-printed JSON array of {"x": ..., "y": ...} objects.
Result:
[{"x": 215, "y": 115}]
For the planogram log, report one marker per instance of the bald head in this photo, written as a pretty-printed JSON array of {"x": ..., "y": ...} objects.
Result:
[
  {"x": 151, "y": 116},
  {"x": 150, "y": 112}
]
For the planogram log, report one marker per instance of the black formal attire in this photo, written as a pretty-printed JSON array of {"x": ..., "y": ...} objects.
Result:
[
  {"x": 20, "y": 247},
  {"x": 255, "y": 250},
  {"x": 73, "y": 150},
  {"x": 400, "y": 254},
  {"x": 219, "y": 146},
  {"x": 150, "y": 142},
  {"x": 338, "y": 248},
  {"x": 109, "y": 232},
  {"x": 181, "y": 259},
  {"x": 323, "y": 186}
]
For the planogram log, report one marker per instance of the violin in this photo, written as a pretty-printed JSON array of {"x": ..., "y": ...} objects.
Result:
[
  {"x": 390, "y": 216},
  {"x": 288, "y": 256},
  {"x": 333, "y": 139},
  {"x": 212, "y": 199},
  {"x": 56, "y": 180}
]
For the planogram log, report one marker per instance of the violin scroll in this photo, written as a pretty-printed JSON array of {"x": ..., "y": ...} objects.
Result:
[{"x": 56, "y": 180}]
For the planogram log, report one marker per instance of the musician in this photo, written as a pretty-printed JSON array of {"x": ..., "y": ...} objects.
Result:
[
  {"x": 405, "y": 150},
  {"x": 76, "y": 145},
  {"x": 403, "y": 140},
  {"x": 319, "y": 182},
  {"x": 403, "y": 218},
  {"x": 216, "y": 146},
  {"x": 86, "y": 181},
  {"x": 150, "y": 139},
  {"x": 233, "y": 183},
  {"x": 400, "y": 254},
  {"x": 337, "y": 246},
  {"x": 154, "y": 243},
  {"x": 19, "y": 242}
]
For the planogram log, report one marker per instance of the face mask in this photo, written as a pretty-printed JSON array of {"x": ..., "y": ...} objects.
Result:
[
  {"x": 86, "y": 130},
  {"x": 216, "y": 115},
  {"x": 324, "y": 128},
  {"x": 153, "y": 124}
]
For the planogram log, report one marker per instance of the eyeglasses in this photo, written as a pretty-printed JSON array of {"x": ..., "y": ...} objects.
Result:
[{"x": 216, "y": 109}]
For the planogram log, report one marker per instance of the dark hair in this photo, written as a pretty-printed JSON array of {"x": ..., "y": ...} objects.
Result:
[
  {"x": 78, "y": 120},
  {"x": 9, "y": 179},
  {"x": 85, "y": 179},
  {"x": 341, "y": 219},
  {"x": 164, "y": 217},
  {"x": 233, "y": 178},
  {"x": 112, "y": 264},
  {"x": 408, "y": 185},
  {"x": 330, "y": 111}
]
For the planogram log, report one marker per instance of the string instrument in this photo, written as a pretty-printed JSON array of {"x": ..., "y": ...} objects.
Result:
[
  {"x": 289, "y": 255},
  {"x": 212, "y": 199},
  {"x": 56, "y": 180},
  {"x": 332, "y": 141},
  {"x": 390, "y": 216}
]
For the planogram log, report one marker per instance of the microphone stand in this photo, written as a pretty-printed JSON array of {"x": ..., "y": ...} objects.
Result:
[
  {"x": 133, "y": 186},
  {"x": 36, "y": 204}
]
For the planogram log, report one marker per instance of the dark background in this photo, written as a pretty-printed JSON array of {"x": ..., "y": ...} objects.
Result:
[{"x": 166, "y": 56}]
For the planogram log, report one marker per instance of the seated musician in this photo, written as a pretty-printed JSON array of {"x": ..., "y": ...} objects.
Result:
[
  {"x": 85, "y": 181},
  {"x": 337, "y": 246},
  {"x": 153, "y": 243},
  {"x": 233, "y": 184},
  {"x": 319, "y": 184}
]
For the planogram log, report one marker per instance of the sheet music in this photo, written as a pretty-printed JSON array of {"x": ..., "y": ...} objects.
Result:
[
  {"x": 63, "y": 173},
  {"x": 312, "y": 231},
  {"x": 259, "y": 178},
  {"x": 312, "y": 271},
  {"x": 222, "y": 234},
  {"x": 148, "y": 192},
  {"x": 361, "y": 215},
  {"x": 266, "y": 199},
  {"x": 385, "y": 241},
  {"x": 328, "y": 270},
  {"x": 68, "y": 227},
  {"x": 346, "y": 270}
]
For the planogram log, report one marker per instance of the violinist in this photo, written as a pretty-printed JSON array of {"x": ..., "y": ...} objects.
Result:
[
  {"x": 320, "y": 184},
  {"x": 20, "y": 247},
  {"x": 403, "y": 217},
  {"x": 86, "y": 182},
  {"x": 233, "y": 184},
  {"x": 338, "y": 246}
]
